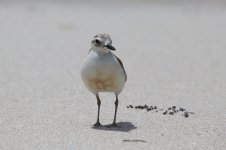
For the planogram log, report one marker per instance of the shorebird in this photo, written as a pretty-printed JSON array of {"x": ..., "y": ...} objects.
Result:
[{"x": 102, "y": 71}]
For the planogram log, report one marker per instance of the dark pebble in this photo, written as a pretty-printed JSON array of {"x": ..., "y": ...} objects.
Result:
[
  {"x": 186, "y": 115},
  {"x": 127, "y": 106},
  {"x": 140, "y": 107},
  {"x": 171, "y": 113},
  {"x": 169, "y": 108},
  {"x": 164, "y": 113},
  {"x": 131, "y": 106},
  {"x": 149, "y": 109},
  {"x": 182, "y": 109},
  {"x": 173, "y": 107}
]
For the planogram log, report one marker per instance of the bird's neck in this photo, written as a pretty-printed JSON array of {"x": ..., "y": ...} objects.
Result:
[{"x": 100, "y": 51}]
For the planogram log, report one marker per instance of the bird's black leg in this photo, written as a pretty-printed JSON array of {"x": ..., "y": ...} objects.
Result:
[
  {"x": 116, "y": 107},
  {"x": 98, "y": 113}
]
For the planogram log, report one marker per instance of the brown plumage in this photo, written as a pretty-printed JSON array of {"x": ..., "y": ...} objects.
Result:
[{"x": 121, "y": 64}]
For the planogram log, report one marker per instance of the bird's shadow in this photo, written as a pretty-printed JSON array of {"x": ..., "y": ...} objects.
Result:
[{"x": 120, "y": 127}]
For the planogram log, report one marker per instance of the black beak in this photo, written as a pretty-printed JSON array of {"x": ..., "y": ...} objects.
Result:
[{"x": 109, "y": 46}]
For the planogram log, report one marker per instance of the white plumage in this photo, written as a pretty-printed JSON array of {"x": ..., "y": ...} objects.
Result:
[{"x": 103, "y": 73}]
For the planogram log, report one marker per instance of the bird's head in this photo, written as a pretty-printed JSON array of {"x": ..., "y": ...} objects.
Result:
[{"x": 102, "y": 42}]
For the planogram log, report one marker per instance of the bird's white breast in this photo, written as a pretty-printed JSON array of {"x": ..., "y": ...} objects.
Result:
[{"x": 102, "y": 73}]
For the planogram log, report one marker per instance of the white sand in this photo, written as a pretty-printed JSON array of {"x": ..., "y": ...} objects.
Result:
[{"x": 174, "y": 54}]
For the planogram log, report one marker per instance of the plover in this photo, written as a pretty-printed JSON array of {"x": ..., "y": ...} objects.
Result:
[{"x": 102, "y": 71}]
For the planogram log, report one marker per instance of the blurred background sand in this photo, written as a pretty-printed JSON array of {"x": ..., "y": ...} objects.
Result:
[{"x": 173, "y": 52}]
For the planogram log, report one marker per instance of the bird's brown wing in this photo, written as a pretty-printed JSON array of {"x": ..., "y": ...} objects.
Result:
[{"x": 121, "y": 64}]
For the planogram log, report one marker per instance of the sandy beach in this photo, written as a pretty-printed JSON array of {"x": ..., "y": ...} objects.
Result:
[{"x": 174, "y": 55}]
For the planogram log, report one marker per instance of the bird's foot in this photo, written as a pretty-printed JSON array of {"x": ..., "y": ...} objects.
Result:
[
  {"x": 97, "y": 124},
  {"x": 114, "y": 124}
]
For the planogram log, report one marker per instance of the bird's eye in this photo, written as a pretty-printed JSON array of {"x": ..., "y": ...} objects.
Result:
[{"x": 97, "y": 41}]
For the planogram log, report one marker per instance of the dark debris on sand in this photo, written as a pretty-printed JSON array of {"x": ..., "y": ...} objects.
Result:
[{"x": 170, "y": 110}]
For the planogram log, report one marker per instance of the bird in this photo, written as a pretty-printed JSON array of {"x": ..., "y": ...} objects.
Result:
[{"x": 103, "y": 71}]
